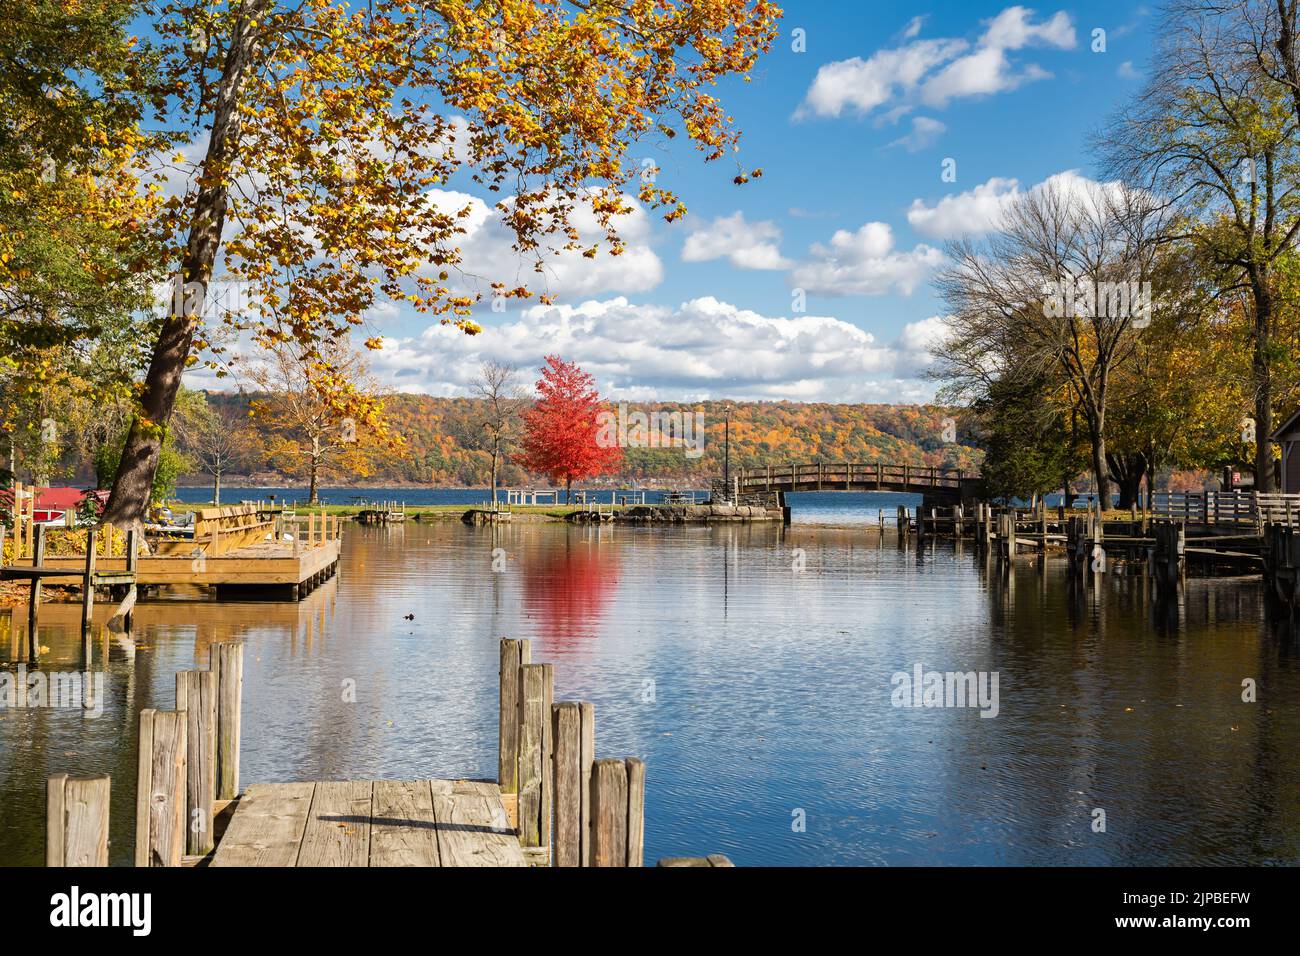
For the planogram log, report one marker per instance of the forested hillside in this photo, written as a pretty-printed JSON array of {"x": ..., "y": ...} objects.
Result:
[{"x": 441, "y": 439}]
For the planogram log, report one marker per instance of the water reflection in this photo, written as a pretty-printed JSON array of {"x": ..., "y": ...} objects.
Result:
[{"x": 770, "y": 650}]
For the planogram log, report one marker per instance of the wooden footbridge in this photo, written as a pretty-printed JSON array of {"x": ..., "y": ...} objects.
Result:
[{"x": 939, "y": 485}]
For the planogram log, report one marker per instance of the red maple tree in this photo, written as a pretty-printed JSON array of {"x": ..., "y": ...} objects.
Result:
[{"x": 560, "y": 430}]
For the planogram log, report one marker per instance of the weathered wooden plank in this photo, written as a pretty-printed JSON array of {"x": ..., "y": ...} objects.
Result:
[
  {"x": 227, "y": 660},
  {"x": 143, "y": 785},
  {"x": 567, "y": 731},
  {"x": 609, "y": 813},
  {"x": 635, "y": 812},
  {"x": 267, "y": 827},
  {"x": 514, "y": 655},
  {"x": 684, "y": 861},
  {"x": 403, "y": 830},
  {"x": 471, "y": 826},
  {"x": 86, "y": 821},
  {"x": 586, "y": 760},
  {"x": 338, "y": 827},
  {"x": 533, "y": 716},
  {"x": 55, "y": 814},
  {"x": 166, "y": 793},
  {"x": 196, "y": 694}
]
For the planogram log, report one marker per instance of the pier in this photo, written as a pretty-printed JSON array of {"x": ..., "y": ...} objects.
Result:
[{"x": 554, "y": 802}]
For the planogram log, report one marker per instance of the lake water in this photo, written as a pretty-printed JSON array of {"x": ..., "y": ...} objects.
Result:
[{"x": 753, "y": 668}]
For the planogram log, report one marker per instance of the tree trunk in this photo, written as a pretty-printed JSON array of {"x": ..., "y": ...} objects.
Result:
[
  {"x": 133, "y": 483},
  {"x": 568, "y": 491},
  {"x": 315, "y": 470},
  {"x": 216, "y": 488},
  {"x": 1263, "y": 379},
  {"x": 494, "y": 476}
]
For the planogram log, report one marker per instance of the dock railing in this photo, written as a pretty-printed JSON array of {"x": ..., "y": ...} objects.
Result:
[{"x": 1228, "y": 507}]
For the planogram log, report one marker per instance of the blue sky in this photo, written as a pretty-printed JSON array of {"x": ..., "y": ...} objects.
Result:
[{"x": 852, "y": 134}]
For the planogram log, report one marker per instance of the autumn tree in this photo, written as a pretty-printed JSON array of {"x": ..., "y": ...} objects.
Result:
[
  {"x": 499, "y": 423},
  {"x": 1218, "y": 139},
  {"x": 1054, "y": 295},
  {"x": 561, "y": 429},
  {"x": 305, "y": 427},
  {"x": 323, "y": 128}
]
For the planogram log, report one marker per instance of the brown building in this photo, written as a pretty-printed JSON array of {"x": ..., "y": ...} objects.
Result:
[{"x": 1288, "y": 436}]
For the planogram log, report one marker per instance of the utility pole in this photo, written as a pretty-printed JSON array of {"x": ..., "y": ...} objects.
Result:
[{"x": 726, "y": 454}]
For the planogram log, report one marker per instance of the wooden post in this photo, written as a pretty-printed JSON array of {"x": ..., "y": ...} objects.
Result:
[
  {"x": 609, "y": 813},
  {"x": 20, "y": 549},
  {"x": 196, "y": 695},
  {"x": 227, "y": 661},
  {"x": 34, "y": 597},
  {"x": 160, "y": 789},
  {"x": 514, "y": 654},
  {"x": 635, "y": 811},
  {"x": 535, "y": 797},
  {"x": 76, "y": 822},
  {"x": 571, "y": 727},
  {"x": 88, "y": 585}
]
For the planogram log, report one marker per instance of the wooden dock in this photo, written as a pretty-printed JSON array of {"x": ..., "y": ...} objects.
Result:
[
  {"x": 555, "y": 804},
  {"x": 371, "y": 823}
]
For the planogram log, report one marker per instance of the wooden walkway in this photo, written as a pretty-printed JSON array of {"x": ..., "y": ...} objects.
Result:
[
  {"x": 933, "y": 483},
  {"x": 370, "y": 823}
]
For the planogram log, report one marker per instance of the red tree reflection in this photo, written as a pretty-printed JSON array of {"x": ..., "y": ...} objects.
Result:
[{"x": 566, "y": 590}]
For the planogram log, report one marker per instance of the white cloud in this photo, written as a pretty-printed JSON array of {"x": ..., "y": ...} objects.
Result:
[
  {"x": 701, "y": 348},
  {"x": 913, "y": 28},
  {"x": 865, "y": 262},
  {"x": 925, "y": 133},
  {"x": 970, "y": 213},
  {"x": 487, "y": 254},
  {"x": 1014, "y": 29},
  {"x": 1127, "y": 71},
  {"x": 980, "y": 210},
  {"x": 747, "y": 245},
  {"x": 937, "y": 71}
]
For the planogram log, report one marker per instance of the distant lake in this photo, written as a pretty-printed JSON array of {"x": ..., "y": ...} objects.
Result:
[
  {"x": 761, "y": 697},
  {"x": 812, "y": 507}
]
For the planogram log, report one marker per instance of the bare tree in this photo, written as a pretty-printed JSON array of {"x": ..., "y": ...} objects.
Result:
[
  {"x": 219, "y": 438},
  {"x": 1053, "y": 296},
  {"x": 498, "y": 387},
  {"x": 302, "y": 423},
  {"x": 1217, "y": 137}
]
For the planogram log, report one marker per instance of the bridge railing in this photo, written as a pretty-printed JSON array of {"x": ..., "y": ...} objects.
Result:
[
  {"x": 1228, "y": 507},
  {"x": 878, "y": 474}
]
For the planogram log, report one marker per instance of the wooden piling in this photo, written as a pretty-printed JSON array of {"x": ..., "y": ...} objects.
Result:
[
  {"x": 535, "y": 799},
  {"x": 609, "y": 813},
  {"x": 196, "y": 695},
  {"x": 76, "y": 823},
  {"x": 88, "y": 584},
  {"x": 160, "y": 790},
  {"x": 571, "y": 800},
  {"x": 34, "y": 597},
  {"x": 514, "y": 655},
  {"x": 635, "y": 811},
  {"x": 227, "y": 661}
]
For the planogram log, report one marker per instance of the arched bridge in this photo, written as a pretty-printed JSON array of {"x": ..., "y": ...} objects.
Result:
[{"x": 935, "y": 484}]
